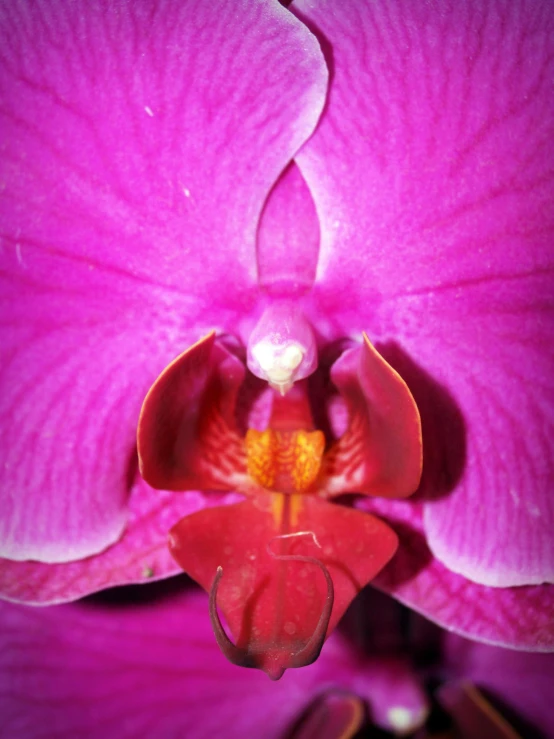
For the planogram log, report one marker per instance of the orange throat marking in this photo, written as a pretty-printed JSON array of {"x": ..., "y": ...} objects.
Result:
[{"x": 284, "y": 461}]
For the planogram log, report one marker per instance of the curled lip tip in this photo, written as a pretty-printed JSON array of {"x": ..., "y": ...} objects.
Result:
[
  {"x": 310, "y": 652},
  {"x": 234, "y": 654},
  {"x": 254, "y": 656}
]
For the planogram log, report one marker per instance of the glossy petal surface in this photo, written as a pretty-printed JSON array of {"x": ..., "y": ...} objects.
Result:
[
  {"x": 140, "y": 555},
  {"x": 520, "y": 618},
  {"x": 117, "y": 669},
  {"x": 140, "y": 141},
  {"x": 432, "y": 172},
  {"x": 272, "y": 605},
  {"x": 288, "y": 236}
]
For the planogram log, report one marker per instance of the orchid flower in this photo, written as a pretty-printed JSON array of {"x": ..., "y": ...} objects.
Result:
[
  {"x": 190, "y": 189},
  {"x": 187, "y": 438}
]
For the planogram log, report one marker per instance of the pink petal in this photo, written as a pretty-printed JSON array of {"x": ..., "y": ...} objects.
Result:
[
  {"x": 288, "y": 236},
  {"x": 150, "y": 667},
  {"x": 140, "y": 555},
  {"x": 432, "y": 174},
  {"x": 140, "y": 142},
  {"x": 519, "y": 617},
  {"x": 496, "y": 529}
]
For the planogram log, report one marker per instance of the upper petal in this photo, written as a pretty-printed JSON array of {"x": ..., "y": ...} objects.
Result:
[
  {"x": 288, "y": 236},
  {"x": 432, "y": 173},
  {"x": 140, "y": 140},
  {"x": 496, "y": 528}
]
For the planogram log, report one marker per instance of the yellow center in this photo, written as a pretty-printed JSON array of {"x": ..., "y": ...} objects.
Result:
[{"x": 284, "y": 461}]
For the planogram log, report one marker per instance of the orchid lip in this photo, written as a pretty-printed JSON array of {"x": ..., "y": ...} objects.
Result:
[
  {"x": 258, "y": 657},
  {"x": 189, "y": 436}
]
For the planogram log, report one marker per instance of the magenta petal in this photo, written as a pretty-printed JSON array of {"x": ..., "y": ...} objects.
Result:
[
  {"x": 288, "y": 236},
  {"x": 518, "y": 617},
  {"x": 141, "y": 554},
  {"x": 154, "y": 669},
  {"x": 139, "y": 143},
  {"x": 432, "y": 174}
]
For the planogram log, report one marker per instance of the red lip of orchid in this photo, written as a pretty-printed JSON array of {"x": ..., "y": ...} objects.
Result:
[{"x": 284, "y": 564}]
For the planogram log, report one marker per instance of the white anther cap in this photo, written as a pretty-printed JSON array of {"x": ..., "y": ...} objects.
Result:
[{"x": 282, "y": 346}]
